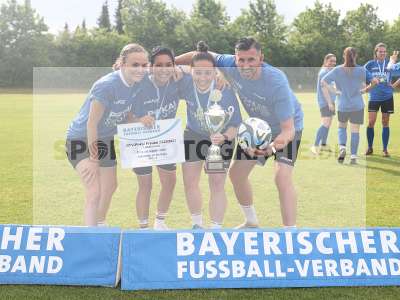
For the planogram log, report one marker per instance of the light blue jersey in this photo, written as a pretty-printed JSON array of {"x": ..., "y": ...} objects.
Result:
[
  {"x": 320, "y": 95},
  {"x": 349, "y": 81},
  {"x": 197, "y": 104},
  {"x": 160, "y": 102},
  {"x": 117, "y": 97},
  {"x": 269, "y": 98}
]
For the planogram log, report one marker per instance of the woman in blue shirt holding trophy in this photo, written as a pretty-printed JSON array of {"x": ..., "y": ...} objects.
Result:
[{"x": 212, "y": 118}]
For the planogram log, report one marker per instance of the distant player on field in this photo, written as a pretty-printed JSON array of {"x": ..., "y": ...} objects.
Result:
[
  {"x": 350, "y": 80},
  {"x": 380, "y": 97},
  {"x": 327, "y": 109}
]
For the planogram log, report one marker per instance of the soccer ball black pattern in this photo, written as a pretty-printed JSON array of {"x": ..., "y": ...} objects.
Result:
[{"x": 254, "y": 133}]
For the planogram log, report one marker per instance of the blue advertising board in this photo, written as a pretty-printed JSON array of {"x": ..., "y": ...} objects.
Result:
[
  {"x": 260, "y": 258},
  {"x": 59, "y": 255}
]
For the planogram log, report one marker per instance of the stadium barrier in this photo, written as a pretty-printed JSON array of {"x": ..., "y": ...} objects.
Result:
[
  {"x": 262, "y": 258},
  {"x": 59, "y": 255}
]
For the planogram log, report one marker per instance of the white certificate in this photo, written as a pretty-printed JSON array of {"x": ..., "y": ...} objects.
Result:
[{"x": 142, "y": 146}]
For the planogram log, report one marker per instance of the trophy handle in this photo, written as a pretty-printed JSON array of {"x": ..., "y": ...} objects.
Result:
[{"x": 229, "y": 115}]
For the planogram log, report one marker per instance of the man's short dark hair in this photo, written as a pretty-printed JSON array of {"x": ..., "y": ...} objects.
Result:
[{"x": 247, "y": 43}]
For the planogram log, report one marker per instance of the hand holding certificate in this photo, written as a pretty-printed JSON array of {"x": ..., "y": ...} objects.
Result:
[{"x": 142, "y": 146}]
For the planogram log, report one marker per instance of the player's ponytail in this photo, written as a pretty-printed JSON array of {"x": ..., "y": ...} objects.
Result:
[
  {"x": 128, "y": 49},
  {"x": 349, "y": 56},
  {"x": 203, "y": 54}
]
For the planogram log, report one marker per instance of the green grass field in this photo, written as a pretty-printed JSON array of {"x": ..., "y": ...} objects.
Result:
[{"x": 38, "y": 186}]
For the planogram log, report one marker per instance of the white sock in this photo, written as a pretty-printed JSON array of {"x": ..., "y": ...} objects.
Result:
[
  {"x": 102, "y": 223},
  {"x": 197, "y": 219},
  {"x": 290, "y": 227},
  {"x": 250, "y": 214},
  {"x": 159, "y": 222},
  {"x": 161, "y": 215},
  {"x": 215, "y": 225},
  {"x": 144, "y": 223}
]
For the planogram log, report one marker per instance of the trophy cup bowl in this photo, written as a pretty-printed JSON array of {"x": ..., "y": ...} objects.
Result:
[{"x": 216, "y": 118}]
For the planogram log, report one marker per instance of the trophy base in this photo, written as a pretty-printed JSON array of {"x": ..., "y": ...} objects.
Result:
[{"x": 214, "y": 166}]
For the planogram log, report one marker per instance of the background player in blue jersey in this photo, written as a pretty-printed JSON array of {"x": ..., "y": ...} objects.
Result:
[
  {"x": 394, "y": 68},
  {"x": 393, "y": 65},
  {"x": 198, "y": 92},
  {"x": 157, "y": 99},
  {"x": 90, "y": 136},
  {"x": 350, "y": 80},
  {"x": 327, "y": 109},
  {"x": 265, "y": 93},
  {"x": 380, "y": 97}
]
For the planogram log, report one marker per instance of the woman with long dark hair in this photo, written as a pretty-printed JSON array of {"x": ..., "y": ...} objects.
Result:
[
  {"x": 350, "y": 80},
  {"x": 158, "y": 99}
]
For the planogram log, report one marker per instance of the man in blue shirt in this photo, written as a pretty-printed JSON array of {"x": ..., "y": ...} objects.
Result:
[{"x": 265, "y": 93}]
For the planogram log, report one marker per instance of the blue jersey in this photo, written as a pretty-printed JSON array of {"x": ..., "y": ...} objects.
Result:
[
  {"x": 117, "y": 98},
  {"x": 269, "y": 98},
  {"x": 160, "y": 102},
  {"x": 320, "y": 95},
  {"x": 349, "y": 82},
  {"x": 395, "y": 68},
  {"x": 382, "y": 91},
  {"x": 196, "y": 106}
]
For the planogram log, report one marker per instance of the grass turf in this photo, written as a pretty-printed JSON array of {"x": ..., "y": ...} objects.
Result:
[{"x": 31, "y": 177}]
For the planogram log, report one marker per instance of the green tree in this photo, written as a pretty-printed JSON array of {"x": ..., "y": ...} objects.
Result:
[
  {"x": 392, "y": 38},
  {"x": 119, "y": 25},
  {"x": 262, "y": 21},
  {"x": 363, "y": 30},
  {"x": 151, "y": 22},
  {"x": 208, "y": 22},
  {"x": 316, "y": 32},
  {"x": 24, "y": 43},
  {"x": 104, "y": 19}
]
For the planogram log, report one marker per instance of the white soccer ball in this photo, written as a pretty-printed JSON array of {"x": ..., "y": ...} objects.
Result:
[{"x": 254, "y": 133}]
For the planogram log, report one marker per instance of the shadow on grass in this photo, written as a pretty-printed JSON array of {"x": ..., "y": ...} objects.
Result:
[
  {"x": 389, "y": 171},
  {"x": 394, "y": 160}
]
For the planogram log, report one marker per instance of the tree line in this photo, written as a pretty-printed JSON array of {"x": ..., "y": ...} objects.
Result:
[{"x": 25, "y": 41}]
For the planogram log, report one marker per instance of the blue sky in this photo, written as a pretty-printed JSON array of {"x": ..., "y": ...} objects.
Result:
[{"x": 57, "y": 12}]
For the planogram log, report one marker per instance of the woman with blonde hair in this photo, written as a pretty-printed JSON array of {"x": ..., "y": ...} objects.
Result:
[{"x": 90, "y": 136}]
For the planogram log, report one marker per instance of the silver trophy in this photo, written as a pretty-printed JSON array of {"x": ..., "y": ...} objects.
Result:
[{"x": 216, "y": 119}]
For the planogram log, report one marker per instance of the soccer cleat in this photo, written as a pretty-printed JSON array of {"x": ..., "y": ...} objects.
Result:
[
  {"x": 144, "y": 228},
  {"x": 160, "y": 226},
  {"x": 246, "y": 225},
  {"x": 353, "y": 159},
  {"x": 342, "y": 155},
  {"x": 386, "y": 153},
  {"x": 314, "y": 150},
  {"x": 369, "y": 151},
  {"x": 326, "y": 148}
]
